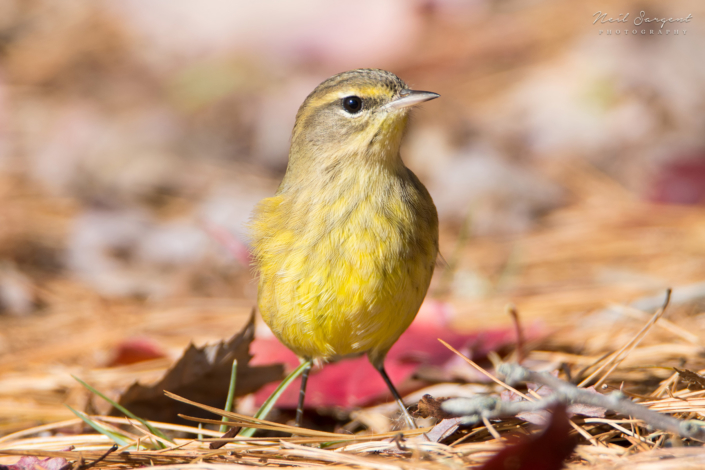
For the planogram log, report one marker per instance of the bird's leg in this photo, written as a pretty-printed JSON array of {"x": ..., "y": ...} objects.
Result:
[
  {"x": 409, "y": 420},
  {"x": 302, "y": 396}
]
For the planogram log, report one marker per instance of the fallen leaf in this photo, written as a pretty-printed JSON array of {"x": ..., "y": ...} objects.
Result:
[
  {"x": 417, "y": 354},
  {"x": 135, "y": 350},
  {"x": 680, "y": 182},
  {"x": 545, "y": 451},
  {"x": 29, "y": 462},
  {"x": 691, "y": 378},
  {"x": 591, "y": 411},
  {"x": 202, "y": 375},
  {"x": 430, "y": 407},
  {"x": 443, "y": 429}
]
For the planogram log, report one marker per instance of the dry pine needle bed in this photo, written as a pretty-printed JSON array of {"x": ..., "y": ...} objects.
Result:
[{"x": 607, "y": 330}]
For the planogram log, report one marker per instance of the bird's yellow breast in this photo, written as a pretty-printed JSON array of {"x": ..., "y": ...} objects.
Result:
[{"x": 345, "y": 273}]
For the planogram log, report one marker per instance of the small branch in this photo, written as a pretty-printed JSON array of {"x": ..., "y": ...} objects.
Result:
[
  {"x": 100, "y": 459},
  {"x": 476, "y": 409},
  {"x": 232, "y": 432},
  {"x": 521, "y": 352}
]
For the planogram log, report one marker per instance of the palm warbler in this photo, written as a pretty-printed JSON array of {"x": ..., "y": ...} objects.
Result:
[{"x": 346, "y": 248}]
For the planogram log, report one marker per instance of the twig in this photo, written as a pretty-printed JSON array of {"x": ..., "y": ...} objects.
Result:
[
  {"x": 579, "y": 429},
  {"x": 521, "y": 353},
  {"x": 474, "y": 409},
  {"x": 232, "y": 432},
  {"x": 100, "y": 459}
]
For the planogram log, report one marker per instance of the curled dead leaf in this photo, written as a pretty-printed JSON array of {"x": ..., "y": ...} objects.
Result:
[{"x": 202, "y": 374}]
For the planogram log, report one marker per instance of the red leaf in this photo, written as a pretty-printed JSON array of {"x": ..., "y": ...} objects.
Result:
[
  {"x": 30, "y": 462},
  {"x": 131, "y": 351},
  {"x": 354, "y": 382},
  {"x": 547, "y": 451},
  {"x": 680, "y": 182}
]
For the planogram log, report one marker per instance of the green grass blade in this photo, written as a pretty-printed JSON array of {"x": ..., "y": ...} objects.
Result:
[
  {"x": 231, "y": 395},
  {"x": 271, "y": 401},
  {"x": 116, "y": 438},
  {"x": 127, "y": 413}
]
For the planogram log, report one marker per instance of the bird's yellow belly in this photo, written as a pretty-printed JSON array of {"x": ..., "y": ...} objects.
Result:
[{"x": 349, "y": 285}]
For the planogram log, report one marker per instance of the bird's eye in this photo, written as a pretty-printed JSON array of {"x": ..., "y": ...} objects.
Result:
[{"x": 352, "y": 104}]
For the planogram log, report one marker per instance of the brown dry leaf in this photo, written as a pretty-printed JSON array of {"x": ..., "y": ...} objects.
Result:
[
  {"x": 202, "y": 375},
  {"x": 430, "y": 407},
  {"x": 691, "y": 378}
]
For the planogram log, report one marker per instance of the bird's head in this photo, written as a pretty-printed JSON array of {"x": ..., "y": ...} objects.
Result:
[{"x": 361, "y": 114}]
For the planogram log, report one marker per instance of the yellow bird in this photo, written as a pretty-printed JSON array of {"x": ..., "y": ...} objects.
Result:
[{"x": 346, "y": 248}]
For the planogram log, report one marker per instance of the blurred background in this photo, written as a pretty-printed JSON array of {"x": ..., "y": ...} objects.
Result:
[{"x": 567, "y": 163}]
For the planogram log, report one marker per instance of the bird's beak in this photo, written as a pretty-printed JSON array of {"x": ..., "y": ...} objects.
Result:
[{"x": 410, "y": 98}]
